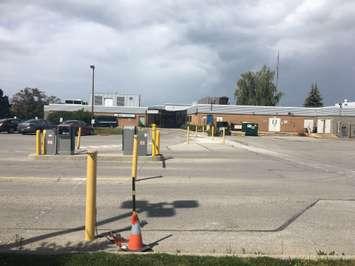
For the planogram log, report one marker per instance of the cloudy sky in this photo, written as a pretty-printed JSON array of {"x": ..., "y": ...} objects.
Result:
[{"x": 176, "y": 51}]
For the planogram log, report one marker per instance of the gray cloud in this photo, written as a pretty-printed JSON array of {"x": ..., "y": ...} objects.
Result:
[{"x": 176, "y": 51}]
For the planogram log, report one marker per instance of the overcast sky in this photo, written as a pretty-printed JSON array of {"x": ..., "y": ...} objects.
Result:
[{"x": 177, "y": 51}]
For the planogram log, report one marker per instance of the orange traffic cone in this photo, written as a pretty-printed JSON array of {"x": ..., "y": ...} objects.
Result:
[{"x": 135, "y": 242}]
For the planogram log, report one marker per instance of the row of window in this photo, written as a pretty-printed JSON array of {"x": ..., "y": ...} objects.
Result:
[{"x": 120, "y": 100}]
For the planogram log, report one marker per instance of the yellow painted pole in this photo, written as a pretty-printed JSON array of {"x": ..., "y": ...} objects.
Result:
[
  {"x": 158, "y": 142},
  {"x": 203, "y": 128},
  {"x": 78, "y": 139},
  {"x": 90, "y": 206},
  {"x": 154, "y": 129},
  {"x": 43, "y": 143},
  {"x": 224, "y": 136},
  {"x": 134, "y": 171},
  {"x": 38, "y": 142},
  {"x": 188, "y": 135},
  {"x": 212, "y": 129}
]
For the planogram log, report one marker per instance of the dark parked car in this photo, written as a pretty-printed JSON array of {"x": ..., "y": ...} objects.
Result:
[
  {"x": 9, "y": 125},
  {"x": 86, "y": 129},
  {"x": 105, "y": 121},
  {"x": 221, "y": 125},
  {"x": 30, "y": 126}
]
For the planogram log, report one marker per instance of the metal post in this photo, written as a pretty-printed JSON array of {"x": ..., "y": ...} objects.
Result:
[
  {"x": 92, "y": 92},
  {"x": 134, "y": 171},
  {"x": 158, "y": 142},
  {"x": 188, "y": 135},
  {"x": 203, "y": 128},
  {"x": 223, "y": 135},
  {"x": 196, "y": 130},
  {"x": 38, "y": 142},
  {"x": 43, "y": 143},
  {"x": 212, "y": 130},
  {"x": 90, "y": 206},
  {"x": 154, "y": 129},
  {"x": 78, "y": 139}
]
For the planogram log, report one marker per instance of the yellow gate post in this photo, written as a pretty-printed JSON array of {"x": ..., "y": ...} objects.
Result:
[
  {"x": 90, "y": 206},
  {"x": 134, "y": 171},
  {"x": 188, "y": 134},
  {"x": 157, "y": 136},
  {"x": 78, "y": 139},
  {"x": 154, "y": 129},
  {"x": 38, "y": 142},
  {"x": 43, "y": 143}
]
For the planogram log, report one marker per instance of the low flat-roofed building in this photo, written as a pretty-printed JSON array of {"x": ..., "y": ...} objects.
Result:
[
  {"x": 126, "y": 108},
  {"x": 328, "y": 120}
]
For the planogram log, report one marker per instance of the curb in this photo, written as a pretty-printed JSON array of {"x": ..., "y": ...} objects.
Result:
[{"x": 100, "y": 157}]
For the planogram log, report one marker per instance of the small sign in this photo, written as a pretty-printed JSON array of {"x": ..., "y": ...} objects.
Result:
[
  {"x": 127, "y": 115},
  {"x": 152, "y": 111}
]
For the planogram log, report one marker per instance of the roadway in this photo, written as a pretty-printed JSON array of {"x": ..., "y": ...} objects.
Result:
[{"x": 265, "y": 195}]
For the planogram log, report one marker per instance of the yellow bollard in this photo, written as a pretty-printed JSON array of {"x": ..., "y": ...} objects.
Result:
[
  {"x": 157, "y": 151},
  {"x": 223, "y": 135},
  {"x": 38, "y": 142},
  {"x": 212, "y": 131},
  {"x": 134, "y": 171},
  {"x": 154, "y": 129},
  {"x": 188, "y": 134},
  {"x": 195, "y": 130},
  {"x": 203, "y": 128},
  {"x": 90, "y": 206},
  {"x": 78, "y": 139},
  {"x": 43, "y": 143}
]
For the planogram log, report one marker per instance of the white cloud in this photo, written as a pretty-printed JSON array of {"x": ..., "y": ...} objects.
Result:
[{"x": 176, "y": 51}]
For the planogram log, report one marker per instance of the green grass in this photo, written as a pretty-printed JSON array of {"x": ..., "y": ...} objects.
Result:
[
  {"x": 108, "y": 131},
  {"x": 103, "y": 259}
]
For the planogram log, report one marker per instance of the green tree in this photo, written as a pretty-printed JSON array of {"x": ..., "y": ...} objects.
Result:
[
  {"x": 4, "y": 105},
  {"x": 314, "y": 98},
  {"x": 257, "y": 88},
  {"x": 52, "y": 99},
  {"x": 29, "y": 102}
]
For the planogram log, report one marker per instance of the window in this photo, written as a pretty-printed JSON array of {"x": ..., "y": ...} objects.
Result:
[
  {"x": 98, "y": 100},
  {"x": 108, "y": 101},
  {"x": 120, "y": 101}
]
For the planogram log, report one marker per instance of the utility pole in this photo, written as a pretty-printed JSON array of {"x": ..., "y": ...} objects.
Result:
[
  {"x": 277, "y": 68},
  {"x": 92, "y": 93}
]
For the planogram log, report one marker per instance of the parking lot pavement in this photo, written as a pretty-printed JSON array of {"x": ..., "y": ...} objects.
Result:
[{"x": 211, "y": 197}]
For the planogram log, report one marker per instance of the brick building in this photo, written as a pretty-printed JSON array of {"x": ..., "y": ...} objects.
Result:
[{"x": 330, "y": 120}]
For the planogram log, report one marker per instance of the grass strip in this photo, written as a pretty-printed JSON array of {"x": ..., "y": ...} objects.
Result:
[
  {"x": 108, "y": 131},
  {"x": 104, "y": 259}
]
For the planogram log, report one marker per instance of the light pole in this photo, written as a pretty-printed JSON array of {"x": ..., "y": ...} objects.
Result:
[{"x": 92, "y": 93}]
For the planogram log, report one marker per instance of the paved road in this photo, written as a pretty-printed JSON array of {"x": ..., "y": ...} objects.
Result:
[{"x": 267, "y": 195}]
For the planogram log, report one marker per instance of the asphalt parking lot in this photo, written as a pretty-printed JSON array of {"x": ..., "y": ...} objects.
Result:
[{"x": 252, "y": 195}]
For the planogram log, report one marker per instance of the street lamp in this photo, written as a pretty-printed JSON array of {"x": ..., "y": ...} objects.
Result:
[{"x": 92, "y": 93}]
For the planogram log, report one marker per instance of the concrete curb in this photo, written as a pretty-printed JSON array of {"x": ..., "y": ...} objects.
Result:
[{"x": 100, "y": 157}]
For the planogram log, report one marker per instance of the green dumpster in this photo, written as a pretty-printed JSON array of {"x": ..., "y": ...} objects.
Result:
[{"x": 251, "y": 129}]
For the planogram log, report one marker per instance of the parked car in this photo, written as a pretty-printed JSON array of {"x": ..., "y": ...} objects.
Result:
[
  {"x": 105, "y": 121},
  {"x": 30, "y": 126},
  {"x": 9, "y": 125},
  {"x": 221, "y": 125},
  {"x": 86, "y": 129}
]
